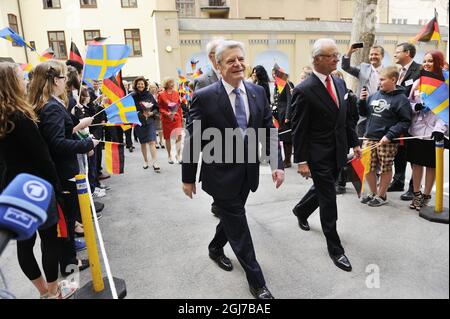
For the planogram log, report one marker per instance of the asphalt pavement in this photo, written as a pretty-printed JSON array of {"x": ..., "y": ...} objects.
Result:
[{"x": 156, "y": 240}]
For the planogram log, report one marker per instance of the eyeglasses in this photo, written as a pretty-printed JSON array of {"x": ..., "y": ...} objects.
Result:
[
  {"x": 62, "y": 77},
  {"x": 335, "y": 55}
]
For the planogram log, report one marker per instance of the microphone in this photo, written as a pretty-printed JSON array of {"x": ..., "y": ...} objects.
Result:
[{"x": 23, "y": 208}]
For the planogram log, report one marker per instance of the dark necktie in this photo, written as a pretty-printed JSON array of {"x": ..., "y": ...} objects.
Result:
[
  {"x": 241, "y": 115},
  {"x": 330, "y": 90}
]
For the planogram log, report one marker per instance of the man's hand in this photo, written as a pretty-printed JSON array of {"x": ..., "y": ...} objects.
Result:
[
  {"x": 303, "y": 169},
  {"x": 384, "y": 140},
  {"x": 189, "y": 189},
  {"x": 357, "y": 152},
  {"x": 278, "y": 177},
  {"x": 350, "y": 51}
]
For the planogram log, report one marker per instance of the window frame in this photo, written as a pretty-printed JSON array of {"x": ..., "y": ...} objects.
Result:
[
  {"x": 14, "y": 26},
  {"x": 133, "y": 55},
  {"x": 129, "y": 6},
  {"x": 65, "y": 44},
  {"x": 93, "y": 30},
  {"x": 88, "y": 6},
  {"x": 44, "y": 3}
]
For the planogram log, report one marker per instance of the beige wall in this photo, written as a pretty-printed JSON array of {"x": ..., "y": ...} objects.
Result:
[
  {"x": 110, "y": 18},
  {"x": 6, "y": 48}
]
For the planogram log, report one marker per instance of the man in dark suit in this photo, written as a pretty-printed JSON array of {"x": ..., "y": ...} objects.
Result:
[
  {"x": 208, "y": 78},
  {"x": 409, "y": 72},
  {"x": 230, "y": 170},
  {"x": 212, "y": 76},
  {"x": 322, "y": 135}
]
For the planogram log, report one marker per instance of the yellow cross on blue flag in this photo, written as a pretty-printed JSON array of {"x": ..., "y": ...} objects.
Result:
[
  {"x": 104, "y": 61},
  {"x": 9, "y": 34},
  {"x": 123, "y": 112}
]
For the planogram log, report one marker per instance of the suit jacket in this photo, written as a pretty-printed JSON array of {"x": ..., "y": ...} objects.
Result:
[
  {"x": 322, "y": 132},
  {"x": 362, "y": 72},
  {"x": 205, "y": 79},
  {"x": 413, "y": 74},
  {"x": 56, "y": 127},
  {"x": 211, "y": 108}
]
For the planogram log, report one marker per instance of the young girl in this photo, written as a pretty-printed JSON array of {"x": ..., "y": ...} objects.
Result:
[
  {"x": 24, "y": 151},
  {"x": 48, "y": 95}
]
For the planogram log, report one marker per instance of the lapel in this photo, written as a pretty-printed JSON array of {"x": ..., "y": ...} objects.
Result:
[
  {"x": 341, "y": 92},
  {"x": 252, "y": 104},
  {"x": 408, "y": 74},
  {"x": 320, "y": 91},
  {"x": 225, "y": 105}
]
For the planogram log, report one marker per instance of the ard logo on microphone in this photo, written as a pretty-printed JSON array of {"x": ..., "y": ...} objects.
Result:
[
  {"x": 20, "y": 218},
  {"x": 35, "y": 191}
]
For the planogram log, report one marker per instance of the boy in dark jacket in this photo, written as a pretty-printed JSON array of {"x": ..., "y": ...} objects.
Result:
[{"x": 389, "y": 114}]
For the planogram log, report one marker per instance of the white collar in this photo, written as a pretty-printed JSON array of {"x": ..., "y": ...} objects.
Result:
[
  {"x": 322, "y": 77},
  {"x": 406, "y": 67},
  {"x": 229, "y": 88}
]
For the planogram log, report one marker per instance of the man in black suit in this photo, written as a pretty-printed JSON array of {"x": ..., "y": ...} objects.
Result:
[
  {"x": 322, "y": 135},
  {"x": 208, "y": 78},
  {"x": 409, "y": 72},
  {"x": 232, "y": 115}
]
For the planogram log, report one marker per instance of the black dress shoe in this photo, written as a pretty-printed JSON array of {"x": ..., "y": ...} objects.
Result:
[
  {"x": 222, "y": 261},
  {"x": 340, "y": 190},
  {"x": 303, "y": 224},
  {"x": 342, "y": 262},
  {"x": 215, "y": 210},
  {"x": 99, "y": 206},
  {"x": 396, "y": 187},
  {"x": 408, "y": 196},
  {"x": 261, "y": 293}
]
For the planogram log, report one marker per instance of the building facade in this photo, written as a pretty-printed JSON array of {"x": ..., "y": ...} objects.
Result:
[{"x": 166, "y": 34}]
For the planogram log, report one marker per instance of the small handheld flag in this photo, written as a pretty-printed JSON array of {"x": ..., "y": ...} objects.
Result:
[
  {"x": 194, "y": 64},
  {"x": 105, "y": 61},
  {"x": 434, "y": 89},
  {"x": 429, "y": 32},
  {"x": 47, "y": 55},
  {"x": 123, "y": 111},
  {"x": 9, "y": 34},
  {"x": 114, "y": 158},
  {"x": 75, "y": 54}
]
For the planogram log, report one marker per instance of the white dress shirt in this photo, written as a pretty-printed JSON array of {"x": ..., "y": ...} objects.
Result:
[
  {"x": 322, "y": 78},
  {"x": 232, "y": 97}
]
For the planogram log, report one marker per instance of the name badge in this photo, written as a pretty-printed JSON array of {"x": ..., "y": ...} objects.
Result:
[
  {"x": 375, "y": 103},
  {"x": 409, "y": 82}
]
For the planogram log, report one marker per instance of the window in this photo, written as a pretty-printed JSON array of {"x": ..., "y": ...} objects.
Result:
[
  {"x": 88, "y": 3},
  {"x": 57, "y": 41},
  {"x": 347, "y": 19},
  {"x": 253, "y": 18},
  {"x": 133, "y": 39},
  {"x": 52, "y": 4},
  {"x": 276, "y": 18},
  {"x": 129, "y": 3},
  {"x": 12, "y": 21},
  {"x": 90, "y": 35},
  {"x": 312, "y": 19},
  {"x": 186, "y": 8}
]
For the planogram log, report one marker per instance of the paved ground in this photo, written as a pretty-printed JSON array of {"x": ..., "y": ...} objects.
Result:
[{"x": 157, "y": 240}]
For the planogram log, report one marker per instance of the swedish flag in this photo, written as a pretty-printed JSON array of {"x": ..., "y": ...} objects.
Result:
[
  {"x": 104, "y": 61},
  {"x": 123, "y": 111},
  {"x": 437, "y": 100},
  {"x": 9, "y": 34}
]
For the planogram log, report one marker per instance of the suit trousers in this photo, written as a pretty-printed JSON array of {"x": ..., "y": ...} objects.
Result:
[
  {"x": 323, "y": 195},
  {"x": 233, "y": 228}
]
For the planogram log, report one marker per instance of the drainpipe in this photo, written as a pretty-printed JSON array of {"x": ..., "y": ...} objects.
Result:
[{"x": 23, "y": 30}]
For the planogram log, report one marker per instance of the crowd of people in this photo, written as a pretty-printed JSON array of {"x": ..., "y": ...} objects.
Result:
[{"x": 58, "y": 119}]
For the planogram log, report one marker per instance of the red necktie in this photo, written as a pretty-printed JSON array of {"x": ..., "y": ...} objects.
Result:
[{"x": 330, "y": 90}]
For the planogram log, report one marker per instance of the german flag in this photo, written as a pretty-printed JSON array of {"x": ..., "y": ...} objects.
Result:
[
  {"x": 197, "y": 73},
  {"x": 429, "y": 32},
  {"x": 113, "y": 88},
  {"x": 47, "y": 55},
  {"x": 280, "y": 84},
  {"x": 357, "y": 168},
  {"x": 75, "y": 54},
  {"x": 114, "y": 158},
  {"x": 430, "y": 81}
]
